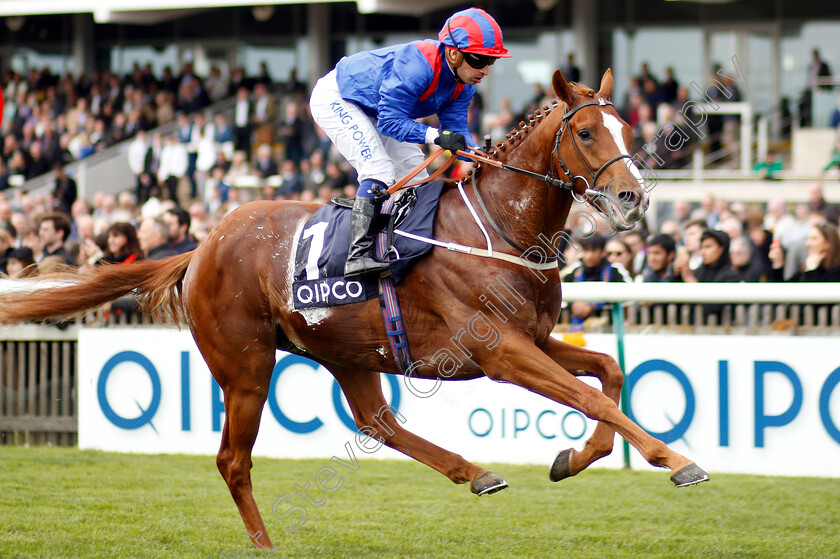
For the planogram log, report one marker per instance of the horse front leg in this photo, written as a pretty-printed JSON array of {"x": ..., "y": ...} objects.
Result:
[
  {"x": 518, "y": 361},
  {"x": 584, "y": 362}
]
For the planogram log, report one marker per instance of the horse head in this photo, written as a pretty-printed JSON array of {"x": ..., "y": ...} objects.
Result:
[{"x": 591, "y": 149}]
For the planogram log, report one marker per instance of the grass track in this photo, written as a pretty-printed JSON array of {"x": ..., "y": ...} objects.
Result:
[{"x": 66, "y": 503}]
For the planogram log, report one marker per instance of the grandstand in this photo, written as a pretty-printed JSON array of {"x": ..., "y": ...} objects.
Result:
[
  {"x": 261, "y": 40},
  {"x": 79, "y": 86}
]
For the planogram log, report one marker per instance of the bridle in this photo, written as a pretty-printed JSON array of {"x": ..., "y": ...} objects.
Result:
[{"x": 590, "y": 194}]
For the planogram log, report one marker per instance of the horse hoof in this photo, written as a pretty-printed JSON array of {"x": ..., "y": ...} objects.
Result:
[
  {"x": 487, "y": 483},
  {"x": 561, "y": 469},
  {"x": 690, "y": 475}
]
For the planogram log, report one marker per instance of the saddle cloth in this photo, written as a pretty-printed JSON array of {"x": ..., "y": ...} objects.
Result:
[{"x": 325, "y": 241}]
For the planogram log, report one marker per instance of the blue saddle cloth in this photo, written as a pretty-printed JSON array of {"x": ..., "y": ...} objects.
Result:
[{"x": 325, "y": 241}]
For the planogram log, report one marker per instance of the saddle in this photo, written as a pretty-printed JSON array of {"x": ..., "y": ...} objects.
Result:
[{"x": 324, "y": 242}]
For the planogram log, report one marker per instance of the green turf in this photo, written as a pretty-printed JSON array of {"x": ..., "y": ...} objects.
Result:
[{"x": 70, "y": 503}]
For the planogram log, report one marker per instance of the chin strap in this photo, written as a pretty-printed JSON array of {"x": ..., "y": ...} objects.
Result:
[{"x": 454, "y": 69}]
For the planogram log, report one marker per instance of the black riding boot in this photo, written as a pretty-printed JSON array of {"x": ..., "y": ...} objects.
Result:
[{"x": 362, "y": 234}]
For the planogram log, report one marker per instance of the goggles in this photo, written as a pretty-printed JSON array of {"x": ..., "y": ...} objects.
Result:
[{"x": 478, "y": 61}]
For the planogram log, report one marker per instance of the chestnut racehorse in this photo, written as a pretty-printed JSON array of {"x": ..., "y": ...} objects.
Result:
[{"x": 235, "y": 292}]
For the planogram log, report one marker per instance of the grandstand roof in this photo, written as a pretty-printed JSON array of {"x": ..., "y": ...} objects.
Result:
[
  {"x": 47, "y": 26},
  {"x": 156, "y": 11},
  {"x": 522, "y": 12}
]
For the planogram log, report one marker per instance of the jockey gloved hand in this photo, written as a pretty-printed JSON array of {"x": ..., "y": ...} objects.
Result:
[{"x": 451, "y": 141}]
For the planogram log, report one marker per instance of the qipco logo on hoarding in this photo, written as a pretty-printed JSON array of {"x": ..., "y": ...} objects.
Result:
[
  {"x": 762, "y": 372},
  {"x": 139, "y": 389},
  {"x": 146, "y": 413}
]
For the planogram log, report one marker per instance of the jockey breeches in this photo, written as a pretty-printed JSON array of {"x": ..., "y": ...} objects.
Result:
[{"x": 354, "y": 133}]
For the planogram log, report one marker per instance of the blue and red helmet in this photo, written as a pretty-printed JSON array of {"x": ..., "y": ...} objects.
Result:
[{"x": 474, "y": 30}]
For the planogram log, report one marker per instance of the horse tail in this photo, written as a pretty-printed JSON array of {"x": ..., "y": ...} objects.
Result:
[{"x": 157, "y": 282}]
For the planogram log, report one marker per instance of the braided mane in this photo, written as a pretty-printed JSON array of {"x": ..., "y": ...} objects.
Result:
[
  {"x": 500, "y": 151},
  {"x": 515, "y": 136}
]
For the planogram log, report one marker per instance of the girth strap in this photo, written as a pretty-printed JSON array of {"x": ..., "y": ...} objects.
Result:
[{"x": 389, "y": 301}]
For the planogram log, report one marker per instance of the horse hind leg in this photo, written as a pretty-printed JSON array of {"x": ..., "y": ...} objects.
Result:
[
  {"x": 244, "y": 377},
  {"x": 376, "y": 419},
  {"x": 242, "y": 421}
]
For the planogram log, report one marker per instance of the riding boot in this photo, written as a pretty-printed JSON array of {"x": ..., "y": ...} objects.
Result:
[{"x": 362, "y": 235}]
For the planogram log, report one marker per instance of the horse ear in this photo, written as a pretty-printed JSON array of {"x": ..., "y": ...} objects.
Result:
[
  {"x": 606, "y": 84},
  {"x": 562, "y": 89}
]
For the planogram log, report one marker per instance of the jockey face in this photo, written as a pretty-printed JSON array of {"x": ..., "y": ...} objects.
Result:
[{"x": 464, "y": 72}]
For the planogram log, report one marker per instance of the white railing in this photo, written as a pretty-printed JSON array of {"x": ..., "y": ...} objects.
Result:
[
  {"x": 729, "y": 293},
  {"x": 748, "y": 308},
  {"x": 21, "y": 287}
]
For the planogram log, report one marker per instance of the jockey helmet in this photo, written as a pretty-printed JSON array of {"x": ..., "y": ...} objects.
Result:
[{"x": 474, "y": 31}]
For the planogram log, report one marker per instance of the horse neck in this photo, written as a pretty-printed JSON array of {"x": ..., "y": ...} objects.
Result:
[{"x": 527, "y": 210}]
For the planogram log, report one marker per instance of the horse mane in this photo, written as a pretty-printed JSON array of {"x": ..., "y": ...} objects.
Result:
[
  {"x": 582, "y": 90},
  {"x": 513, "y": 138}
]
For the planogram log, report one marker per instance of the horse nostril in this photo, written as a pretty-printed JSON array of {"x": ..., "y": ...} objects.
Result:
[{"x": 628, "y": 197}]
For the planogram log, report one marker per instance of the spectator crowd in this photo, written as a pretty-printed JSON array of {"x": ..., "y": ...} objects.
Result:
[
  {"x": 716, "y": 241},
  {"x": 192, "y": 165}
]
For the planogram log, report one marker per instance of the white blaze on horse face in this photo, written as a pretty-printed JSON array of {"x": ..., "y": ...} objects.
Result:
[{"x": 614, "y": 126}]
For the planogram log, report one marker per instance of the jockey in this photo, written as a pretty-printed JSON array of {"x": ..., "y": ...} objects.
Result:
[{"x": 368, "y": 103}]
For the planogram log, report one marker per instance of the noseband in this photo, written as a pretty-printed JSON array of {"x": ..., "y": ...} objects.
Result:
[{"x": 590, "y": 193}]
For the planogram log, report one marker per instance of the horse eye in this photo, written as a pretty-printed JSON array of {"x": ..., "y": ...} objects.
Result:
[{"x": 584, "y": 135}]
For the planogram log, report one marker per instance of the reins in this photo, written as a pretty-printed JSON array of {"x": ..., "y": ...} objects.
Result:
[
  {"x": 403, "y": 182},
  {"x": 589, "y": 195},
  {"x": 549, "y": 178},
  {"x": 479, "y": 157}
]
